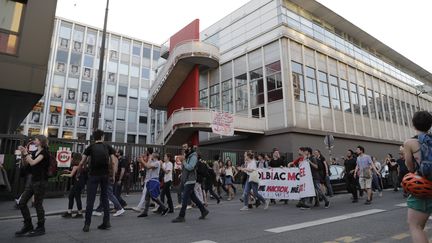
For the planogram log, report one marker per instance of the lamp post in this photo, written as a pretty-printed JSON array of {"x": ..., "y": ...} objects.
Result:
[
  {"x": 418, "y": 97},
  {"x": 100, "y": 72}
]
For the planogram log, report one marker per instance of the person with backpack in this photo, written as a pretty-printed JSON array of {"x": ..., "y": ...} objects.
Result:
[
  {"x": 188, "y": 180},
  {"x": 39, "y": 166},
  {"x": 99, "y": 173},
  {"x": 418, "y": 157},
  {"x": 78, "y": 182}
]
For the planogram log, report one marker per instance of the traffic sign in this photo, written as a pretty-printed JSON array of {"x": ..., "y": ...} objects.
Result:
[{"x": 64, "y": 157}]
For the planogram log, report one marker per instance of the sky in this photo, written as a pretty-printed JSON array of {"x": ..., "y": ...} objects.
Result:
[{"x": 400, "y": 24}]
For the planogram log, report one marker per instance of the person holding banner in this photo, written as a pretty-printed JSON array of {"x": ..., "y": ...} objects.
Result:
[
  {"x": 252, "y": 182},
  {"x": 307, "y": 153}
]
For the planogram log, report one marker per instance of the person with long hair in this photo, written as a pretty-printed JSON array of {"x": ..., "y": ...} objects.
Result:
[
  {"x": 167, "y": 168},
  {"x": 249, "y": 168},
  {"x": 143, "y": 159},
  {"x": 39, "y": 165},
  {"x": 230, "y": 173},
  {"x": 78, "y": 181}
]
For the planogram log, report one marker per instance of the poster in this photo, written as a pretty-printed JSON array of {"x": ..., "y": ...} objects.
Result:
[
  {"x": 286, "y": 183},
  {"x": 64, "y": 157},
  {"x": 223, "y": 123}
]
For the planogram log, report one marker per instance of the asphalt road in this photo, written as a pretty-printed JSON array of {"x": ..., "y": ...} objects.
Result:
[{"x": 383, "y": 221}]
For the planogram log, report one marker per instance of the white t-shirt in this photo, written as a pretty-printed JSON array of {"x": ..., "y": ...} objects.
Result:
[
  {"x": 153, "y": 173},
  {"x": 167, "y": 166},
  {"x": 251, "y": 165}
]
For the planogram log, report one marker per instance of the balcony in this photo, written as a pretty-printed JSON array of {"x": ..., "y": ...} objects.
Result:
[
  {"x": 184, "y": 122},
  {"x": 180, "y": 62}
]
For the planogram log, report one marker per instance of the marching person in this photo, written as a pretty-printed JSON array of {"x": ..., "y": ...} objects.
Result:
[
  {"x": 251, "y": 184},
  {"x": 100, "y": 155},
  {"x": 78, "y": 180},
  {"x": 364, "y": 170},
  {"x": 120, "y": 176},
  {"x": 350, "y": 165},
  {"x": 419, "y": 209},
  {"x": 167, "y": 168},
  {"x": 153, "y": 185},
  {"x": 39, "y": 164},
  {"x": 188, "y": 181},
  {"x": 143, "y": 159}
]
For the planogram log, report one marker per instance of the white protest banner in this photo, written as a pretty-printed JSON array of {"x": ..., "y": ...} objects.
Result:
[
  {"x": 286, "y": 183},
  {"x": 223, "y": 123},
  {"x": 64, "y": 157}
]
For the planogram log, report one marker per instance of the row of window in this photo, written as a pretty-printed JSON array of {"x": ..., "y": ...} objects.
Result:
[{"x": 330, "y": 91}]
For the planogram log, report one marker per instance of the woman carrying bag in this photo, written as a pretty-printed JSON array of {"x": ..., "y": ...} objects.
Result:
[{"x": 252, "y": 182}]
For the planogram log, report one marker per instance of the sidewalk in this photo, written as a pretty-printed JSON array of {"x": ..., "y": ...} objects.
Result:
[{"x": 57, "y": 206}]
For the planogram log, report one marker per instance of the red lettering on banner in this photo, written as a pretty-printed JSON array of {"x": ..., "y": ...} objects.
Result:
[
  {"x": 277, "y": 189},
  {"x": 302, "y": 172}
]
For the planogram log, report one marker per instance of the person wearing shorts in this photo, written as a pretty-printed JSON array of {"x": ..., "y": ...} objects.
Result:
[{"x": 364, "y": 170}]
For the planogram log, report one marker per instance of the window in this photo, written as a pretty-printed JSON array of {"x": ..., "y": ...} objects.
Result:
[
  {"x": 345, "y": 96},
  {"x": 145, "y": 74},
  {"x": 274, "y": 81},
  {"x": 156, "y": 54},
  {"x": 386, "y": 108},
  {"x": 241, "y": 92},
  {"x": 214, "y": 96},
  {"x": 121, "y": 115},
  {"x": 311, "y": 86},
  {"x": 11, "y": 14},
  {"x": 371, "y": 103},
  {"x": 227, "y": 96},
  {"x": 256, "y": 87},
  {"x": 354, "y": 98},
  {"x": 146, "y": 52},
  {"x": 379, "y": 106},
  {"x": 136, "y": 50},
  {"x": 393, "y": 109},
  {"x": 404, "y": 113},
  {"x": 323, "y": 90},
  {"x": 298, "y": 81},
  {"x": 122, "y": 91},
  {"x": 131, "y": 138},
  {"x": 363, "y": 103},
  {"x": 334, "y": 93},
  {"x": 143, "y": 120},
  {"x": 203, "y": 95}
]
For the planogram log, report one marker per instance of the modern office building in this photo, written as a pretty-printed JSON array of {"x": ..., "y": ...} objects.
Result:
[
  {"x": 25, "y": 32},
  {"x": 66, "y": 110},
  {"x": 290, "y": 72}
]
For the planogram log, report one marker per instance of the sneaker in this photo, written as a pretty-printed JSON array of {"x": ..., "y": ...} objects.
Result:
[
  {"x": 368, "y": 202},
  {"x": 204, "y": 214},
  {"x": 178, "y": 206},
  {"x": 165, "y": 211},
  {"x": 189, "y": 207},
  {"x": 40, "y": 230},
  {"x": 96, "y": 213},
  {"x": 67, "y": 215},
  {"x": 304, "y": 206},
  {"x": 24, "y": 230},
  {"x": 244, "y": 208},
  {"x": 86, "y": 228},
  {"x": 78, "y": 216},
  {"x": 327, "y": 204},
  {"x": 104, "y": 226},
  {"x": 266, "y": 205},
  {"x": 178, "y": 220},
  {"x": 137, "y": 209},
  {"x": 142, "y": 215},
  {"x": 250, "y": 206},
  {"x": 156, "y": 209},
  {"x": 257, "y": 203},
  {"x": 171, "y": 211},
  {"x": 355, "y": 200},
  {"x": 119, "y": 212},
  {"x": 380, "y": 194}
]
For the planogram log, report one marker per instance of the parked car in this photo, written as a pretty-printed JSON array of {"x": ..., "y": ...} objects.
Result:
[{"x": 337, "y": 179}]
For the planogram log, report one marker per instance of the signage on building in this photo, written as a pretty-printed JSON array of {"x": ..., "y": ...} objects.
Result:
[
  {"x": 64, "y": 157},
  {"x": 223, "y": 123}
]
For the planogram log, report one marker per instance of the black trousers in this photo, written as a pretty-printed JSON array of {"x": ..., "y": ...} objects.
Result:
[
  {"x": 166, "y": 192},
  {"x": 75, "y": 194},
  {"x": 351, "y": 183},
  {"x": 92, "y": 184},
  {"x": 36, "y": 188}
]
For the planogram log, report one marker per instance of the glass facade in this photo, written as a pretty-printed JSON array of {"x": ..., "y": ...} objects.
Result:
[{"x": 66, "y": 110}]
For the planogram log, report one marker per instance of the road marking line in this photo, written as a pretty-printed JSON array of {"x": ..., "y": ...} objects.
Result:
[
  {"x": 401, "y": 236},
  {"x": 401, "y": 204},
  {"x": 204, "y": 241},
  {"x": 323, "y": 221}
]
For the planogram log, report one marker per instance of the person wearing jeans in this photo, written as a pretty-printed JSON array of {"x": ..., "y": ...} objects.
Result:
[
  {"x": 167, "y": 168},
  {"x": 250, "y": 167},
  {"x": 189, "y": 180},
  {"x": 39, "y": 164},
  {"x": 111, "y": 197},
  {"x": 99, "y": 171}
]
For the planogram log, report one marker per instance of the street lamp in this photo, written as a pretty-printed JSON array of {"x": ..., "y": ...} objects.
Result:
[
  {"x": 422, "y": 89},
  {"x": 100, "y": 72}
]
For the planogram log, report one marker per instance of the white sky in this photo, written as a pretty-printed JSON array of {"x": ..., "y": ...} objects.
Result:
[{"x": 402, "y": 25}]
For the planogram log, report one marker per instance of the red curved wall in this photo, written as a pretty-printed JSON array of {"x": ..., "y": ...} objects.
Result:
[{"x": 187, "y": 95}]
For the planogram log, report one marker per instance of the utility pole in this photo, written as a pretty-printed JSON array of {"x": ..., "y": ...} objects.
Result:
[{"x": 100, "y": 72}]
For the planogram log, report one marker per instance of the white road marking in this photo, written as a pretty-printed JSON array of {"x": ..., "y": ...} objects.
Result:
[
  {"x": 323, "y": 221},
  {"x": 401, "y": 204},
  {"x": 204, "y": 241}
]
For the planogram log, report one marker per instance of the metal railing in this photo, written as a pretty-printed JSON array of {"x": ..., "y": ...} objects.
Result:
[
  {"x": 182, "y": 49},
  {"x": 203, "y": 117}
]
